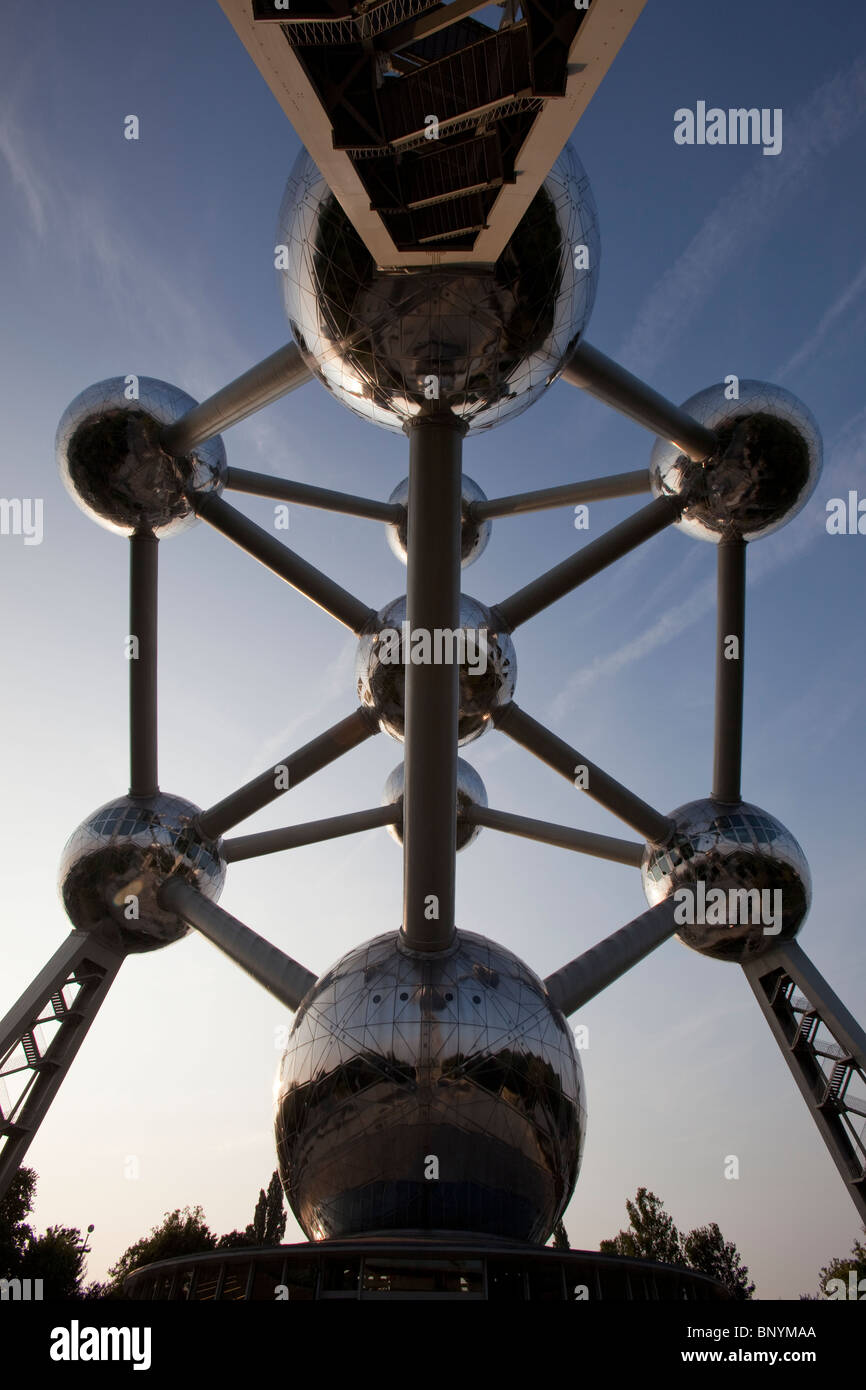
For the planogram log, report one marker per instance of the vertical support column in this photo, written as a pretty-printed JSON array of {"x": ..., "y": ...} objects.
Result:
[
  {"x": 731, "y": 623},
  {"x": 143, "y": 581},
  {"x": 430, "y": 751},
  {"x": 85, "y": 964},
  {"x": 825, "y": 1049}
]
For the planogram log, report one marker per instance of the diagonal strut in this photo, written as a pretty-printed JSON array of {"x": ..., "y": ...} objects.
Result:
[{"x": 565, "y": 760}]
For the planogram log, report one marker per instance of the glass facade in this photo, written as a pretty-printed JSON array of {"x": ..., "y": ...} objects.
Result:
[{"x": 405, "y": 1270}]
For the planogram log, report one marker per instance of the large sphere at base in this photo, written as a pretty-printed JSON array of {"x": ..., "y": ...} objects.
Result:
[
  {"x": 395, "y": 1059},
  {"x": 488, "y": 340},
  {"x": 115, "y": 468},
  {"x": 739, "y": 849},
  {"x": 488, "y": 674},
  {"x": 763, "y": 473},
  {"x": 117, "y": 860}
]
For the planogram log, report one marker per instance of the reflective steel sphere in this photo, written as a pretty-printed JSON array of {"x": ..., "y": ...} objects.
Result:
[
  {"x": 429, "y": 1092},
  {"x": 488, "y": 672},
  {"x": 741, "y": 850},
  {"x": 113, "y": 465},
  {"x": 471, "y": 791},
  {"x": 481, "y": 341},
  {"x": 765, "y": 469},
  {"x": 117, "y": 860},
  {"x": 474, "y": 535}
]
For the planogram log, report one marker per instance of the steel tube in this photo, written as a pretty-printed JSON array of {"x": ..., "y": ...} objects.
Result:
[
  {"x": 143, "y": 609},
  {"x": 280, "y": 975},
  {"x": 310, "y": 833},
  {"x": 540, "y": 593},
  {"x": 303, "y": 576},
  {"x": 563, "y": 836},
  {"x": 289, "y": 772},
  {"x": 278, "y": 374},
  {"x": 430, "y": 748},
  {"x": 595, "y": 490},
  {"x": 588, "y": 974},
  {"x": 600, "y": 376},
  {"x": 730, "y": 623},
  {"x": 565, "y": 760},
  {"x": 306, "y": 495}
]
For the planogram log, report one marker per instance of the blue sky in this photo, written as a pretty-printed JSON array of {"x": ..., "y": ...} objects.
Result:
[{"x": 156, "y": 257}]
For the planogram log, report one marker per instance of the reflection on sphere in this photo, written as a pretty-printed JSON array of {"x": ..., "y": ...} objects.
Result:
[
  {"x": 126, "y": 850},
  {"x": 763, "y": 473},
  {"x": 487, "y": 339},
  {"x": 115, "y": 468},
  {"x": 394, "y": 1057},
  {"x": 732, "y": 847},
  {"x": 380, "y": 672}
]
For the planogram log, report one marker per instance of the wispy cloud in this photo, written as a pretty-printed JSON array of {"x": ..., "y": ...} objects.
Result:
[
  {"x": 840, "y": 306},
  {"x": 73, "y": 218},
  {"x": 26, "y": 179},
  {"x": 671, "y": 624},
  {"x": 745, "y": 214},
  {"x": 334, "y": 679}
]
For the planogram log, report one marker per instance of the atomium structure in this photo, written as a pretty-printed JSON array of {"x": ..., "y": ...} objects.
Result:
[{"x": 433, "y": 1039}]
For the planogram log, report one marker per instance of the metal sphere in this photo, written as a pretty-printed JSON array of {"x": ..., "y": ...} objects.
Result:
[
  {"x": 738, "y": 849},
  {"x": 765, "y": 469},
  {"x": 471, "y": 791},
  {"x": 114, "y": 864},
  {"x": 488, "y": 673},
  {"x": 113, "y": 464},
  {"x": 481, "y": 341},
  {"x": 396, "y": 1058},
  {"x": 474, "y": 535}
]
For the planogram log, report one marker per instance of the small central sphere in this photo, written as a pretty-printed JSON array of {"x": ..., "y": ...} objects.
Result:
[
  {"x": 482, "y": 341},
  {"x": 488, "y": 665},
  {"x": 474, "y": 535},
  {"x": 115, "y": 467},
  {"x": 471, "y": 791},
  {"x": 115, "y": 863},
  {"x": 751, "y": 857},
  {"x": 434, "y": 1092}
]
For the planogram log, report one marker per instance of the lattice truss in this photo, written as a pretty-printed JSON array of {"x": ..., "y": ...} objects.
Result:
[{"x": 145, "y": 869}]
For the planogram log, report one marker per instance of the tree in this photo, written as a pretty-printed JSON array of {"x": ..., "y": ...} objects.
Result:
[
  {"x": 14, "y": 1231},
  {"x": 706, "y": 1250},
  {"x": 275, "y": 1213},
  {"x": 181, "y": 1232},
  {"x": 56, "y": 1257},
  {"x": 652, "y": 1234},
  {"x": 559, "y": 1239},
  {"x": 268, "y": 1225},
  {"x": 841, "y": 1268}
]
